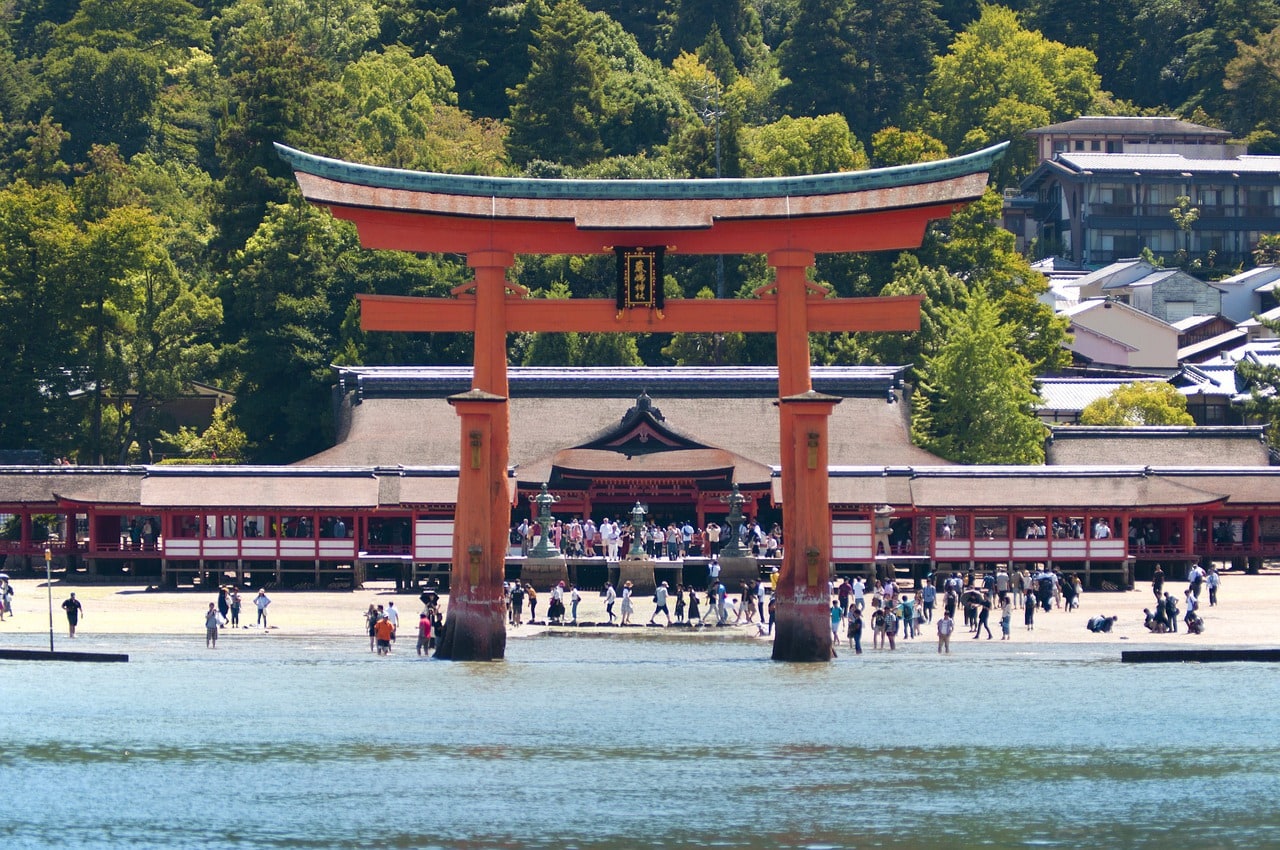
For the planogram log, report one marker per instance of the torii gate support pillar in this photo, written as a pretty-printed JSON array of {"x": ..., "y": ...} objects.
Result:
[
  {"x": 476, "y": 626},
  {"x": 804, "y": 610}
]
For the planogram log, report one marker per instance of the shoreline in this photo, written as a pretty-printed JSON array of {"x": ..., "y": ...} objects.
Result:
[{"x": 1248, "y": 615}]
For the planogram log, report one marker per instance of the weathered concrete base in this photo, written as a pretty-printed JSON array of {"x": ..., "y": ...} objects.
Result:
[
  {"x": 543, "y": 573},
  {"x": 803, "y": 629},
  {"x": 639, "y": 573},
  {"x": 734, "y": 571},
  {"x": 474, "y": 630}
]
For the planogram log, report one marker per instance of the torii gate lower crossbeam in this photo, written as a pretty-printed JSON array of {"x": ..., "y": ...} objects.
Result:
[{"x": 786, "y": 219}]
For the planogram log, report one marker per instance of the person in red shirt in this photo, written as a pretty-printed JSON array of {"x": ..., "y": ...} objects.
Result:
[{"x": 424, "y": 634}]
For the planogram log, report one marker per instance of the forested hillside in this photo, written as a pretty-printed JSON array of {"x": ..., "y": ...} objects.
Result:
[{"x": 149, "y": 236}]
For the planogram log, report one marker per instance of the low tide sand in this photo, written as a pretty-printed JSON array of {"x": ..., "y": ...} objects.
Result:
[{"x": 1247, "y": 614}]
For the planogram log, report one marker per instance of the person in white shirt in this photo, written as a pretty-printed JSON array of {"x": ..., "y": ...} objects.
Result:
[{"x": 609, "y": 536}]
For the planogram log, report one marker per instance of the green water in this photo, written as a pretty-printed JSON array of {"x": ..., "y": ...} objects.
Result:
[{"x": 591, "y": 742}]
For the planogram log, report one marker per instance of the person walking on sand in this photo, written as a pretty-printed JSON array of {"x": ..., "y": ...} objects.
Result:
[
  {"x": 610, "y": 596},
  {"x": 946, "y": 626},
  {"x": 695, "y": 616},
  {"x": 1029, "y": 611},
  {"x": 660, "y": 604},
  {"x": 531, "y": 596},
  {"x": 224, "y": 603},
  {"x": 74, "y": 612},
  {"x": 628, "y": 608},
  {"x": 855, "y": 630},
  {"x": 984, "y": 614},
  {"x": 213, "y": 619},
  {"x": 262, "y": 601}
]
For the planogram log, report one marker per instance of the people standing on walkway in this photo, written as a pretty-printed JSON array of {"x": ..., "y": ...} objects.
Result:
[
  {"x": 890, "y": 624},
  {"x": 261, "y": 601},
  {"x": 74, "y": 612},
  {"x": 213, "y": 619},
  {"x": 1029, "y": 612},
  {"x": 1006, "y": 616},
  {"x": 877, "y": 626},
  {"x": 575, "y": 597},
  {"x": 695, "y": 618},
  {"x": 1157, "y": 584},
  {"x": 531, "y": 596},
  {"x": 1213, "y": 580},
  {"x": 1171, "y": 611},
  {"x": 946, "y": 626},
  {"x": 235, "y": 608}
]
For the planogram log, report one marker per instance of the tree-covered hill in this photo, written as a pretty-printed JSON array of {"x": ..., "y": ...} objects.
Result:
[{"x": 149, "y": 236}]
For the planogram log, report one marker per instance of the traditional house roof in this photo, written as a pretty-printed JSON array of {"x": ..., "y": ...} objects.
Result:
[
  {"x": 87, "y": 484},
  {"x": 258, "y": 487},
  {"x": 1149, "y": 127},
  {"x": 391, "y": 416},
  {"x": 1029, "y": 488},
  {"x": 1157, "y": 445}
]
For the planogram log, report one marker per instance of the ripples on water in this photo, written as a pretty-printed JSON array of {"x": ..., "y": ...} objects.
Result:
[{"x": 649, "y": 741}]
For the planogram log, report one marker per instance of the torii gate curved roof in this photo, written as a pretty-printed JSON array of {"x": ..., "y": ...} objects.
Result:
[{"x": 876, "y": 209}]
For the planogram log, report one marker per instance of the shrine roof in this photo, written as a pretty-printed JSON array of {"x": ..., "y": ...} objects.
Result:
[{"x": 724, "y": 188}]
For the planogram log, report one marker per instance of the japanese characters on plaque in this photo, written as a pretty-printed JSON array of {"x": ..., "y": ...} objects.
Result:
[{"x": 639, "y": 278}]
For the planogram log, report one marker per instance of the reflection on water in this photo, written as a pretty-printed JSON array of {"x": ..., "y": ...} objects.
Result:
[{"x": 653, "y": 741}]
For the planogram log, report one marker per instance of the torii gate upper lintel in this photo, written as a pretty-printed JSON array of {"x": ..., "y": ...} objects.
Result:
[{"x": 491, "y": 220}]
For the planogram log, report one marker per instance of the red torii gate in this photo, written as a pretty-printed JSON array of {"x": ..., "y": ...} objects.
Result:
[{"x": 788, "y": 219}]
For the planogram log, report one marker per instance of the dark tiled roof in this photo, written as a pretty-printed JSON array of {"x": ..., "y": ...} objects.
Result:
[
  {"x": 1149, "y": 126},
  {"x": 107, "y": 485},
  {"x": 1050, "y": 488},
  {"x": 1157, "y": 445},
  {"x": 264, "y": 487}
]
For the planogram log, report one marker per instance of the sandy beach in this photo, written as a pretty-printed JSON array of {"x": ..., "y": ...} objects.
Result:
[{"x": 1247, "y": 614}]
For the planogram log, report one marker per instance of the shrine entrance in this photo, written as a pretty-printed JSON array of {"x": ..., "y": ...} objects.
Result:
[{"x": 788, "y": 219}]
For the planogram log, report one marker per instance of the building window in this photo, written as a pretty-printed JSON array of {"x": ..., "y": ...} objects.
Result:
[{"x": 1095, "y": 145}]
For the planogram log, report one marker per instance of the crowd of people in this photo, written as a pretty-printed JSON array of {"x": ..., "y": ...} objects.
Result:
[{"x": 673, "y": 540}]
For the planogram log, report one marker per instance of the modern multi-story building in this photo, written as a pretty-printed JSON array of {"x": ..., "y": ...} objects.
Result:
[{"x": 1108, "y": 187}]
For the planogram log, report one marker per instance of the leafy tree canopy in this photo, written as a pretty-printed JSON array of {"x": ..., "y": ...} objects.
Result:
[{"x": 1139, "y": 403}]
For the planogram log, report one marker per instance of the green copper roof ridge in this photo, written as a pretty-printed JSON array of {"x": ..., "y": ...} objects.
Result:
[{"x": 720, "y": 188}]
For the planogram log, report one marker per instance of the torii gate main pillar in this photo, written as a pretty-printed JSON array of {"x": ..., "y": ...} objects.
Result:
[
  {"x": 476, "y": 625},
  {"x": 803, "y": 612}
]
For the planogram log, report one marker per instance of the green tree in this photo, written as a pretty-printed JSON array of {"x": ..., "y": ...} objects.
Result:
[
  {"x": 1252, "y": 84},
  {"x": 973, "y": 245},
  {"x": 864, "y": 60},
  {"x": 1210, "y": 48},
  {"x": 1000, "y": 80},
  {"x": 39, "y": 364},
  {"x": 287, "y": 292},
  {"x": 1263, "y": 382},
  {"x": 223, "y": 439},
  {"x": 735, "y": 22},
  {"x": 976, "y": 400},
  {"x": 793, "y": 146},
  {"x": 893, "y": 146},
  {"x": 1139, "y": 403}
]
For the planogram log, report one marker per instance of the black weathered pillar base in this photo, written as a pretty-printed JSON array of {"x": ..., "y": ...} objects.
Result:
[
  {"x": 474, "y": 631},
  {"x": 802, "y": 631}
]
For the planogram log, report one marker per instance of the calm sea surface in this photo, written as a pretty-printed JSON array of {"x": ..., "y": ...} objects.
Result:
[{"x": 647, "y": 741}]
